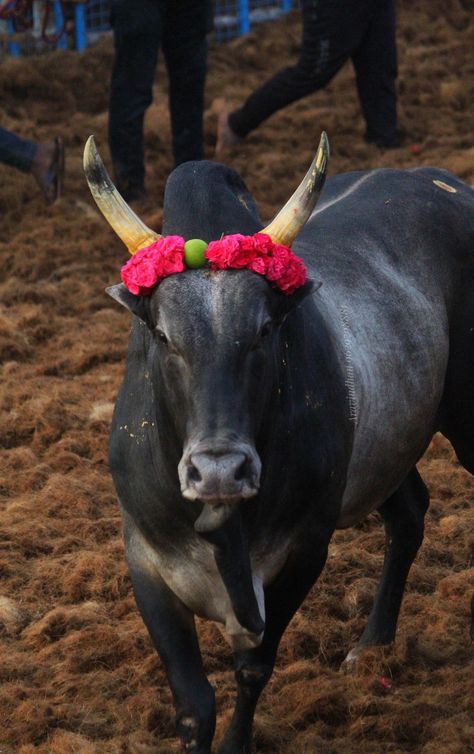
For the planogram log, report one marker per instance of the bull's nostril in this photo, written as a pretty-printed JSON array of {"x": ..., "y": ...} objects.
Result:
[
  {"x": 194, "y": 475},
  {"x": 241, "y": 471}
]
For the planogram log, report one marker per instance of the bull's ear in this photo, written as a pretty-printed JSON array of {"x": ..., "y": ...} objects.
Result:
[
  {"x": 287, "y": 303},
  {"x": 138, "y": 305}
]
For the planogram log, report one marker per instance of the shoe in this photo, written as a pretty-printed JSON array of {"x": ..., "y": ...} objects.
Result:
[{"x": 391, "y": 142}]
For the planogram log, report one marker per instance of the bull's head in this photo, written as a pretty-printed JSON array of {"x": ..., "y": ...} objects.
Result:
[{"x": 215, "y": 359}]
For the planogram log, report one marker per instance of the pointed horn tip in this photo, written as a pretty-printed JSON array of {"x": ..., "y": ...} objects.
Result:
[
  {"x": 322, "y": 155},
  {"x": 324, "y": 144},
  {"x": 90, "y": 151}
]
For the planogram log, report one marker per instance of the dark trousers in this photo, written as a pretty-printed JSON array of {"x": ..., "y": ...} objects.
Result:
[
  {"x": 333, "y": 32},
  {"x": 141, "y": 27},
  {"x": 16, "y": 152}
]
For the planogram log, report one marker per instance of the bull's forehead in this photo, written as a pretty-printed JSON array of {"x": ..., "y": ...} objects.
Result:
[{"x": 223, "y": 304}]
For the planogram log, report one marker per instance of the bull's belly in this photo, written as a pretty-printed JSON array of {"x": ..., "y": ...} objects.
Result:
[
  {"x": 380, "y": 464},
  {"x": 395, "y": 396}
]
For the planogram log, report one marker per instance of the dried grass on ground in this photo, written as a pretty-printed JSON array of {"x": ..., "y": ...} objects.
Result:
[{"x": 78, "y": 673}]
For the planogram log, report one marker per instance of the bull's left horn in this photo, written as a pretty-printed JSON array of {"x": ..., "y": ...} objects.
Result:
[
  {"x": 113, "y": 206},
  {"x": 290, "y": 220}
]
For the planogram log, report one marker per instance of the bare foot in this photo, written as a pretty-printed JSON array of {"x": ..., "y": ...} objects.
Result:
[
  {"x": 47, "y": 168},
  {"x": 226, "y": 137}
]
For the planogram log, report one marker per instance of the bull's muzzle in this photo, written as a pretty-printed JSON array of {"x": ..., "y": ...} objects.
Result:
[{"x": 218, "y": 477}]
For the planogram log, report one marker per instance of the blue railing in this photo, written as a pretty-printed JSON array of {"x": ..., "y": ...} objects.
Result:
[
  {"x": 233, "y": 18},
  {"x": 91, "y": 18}
]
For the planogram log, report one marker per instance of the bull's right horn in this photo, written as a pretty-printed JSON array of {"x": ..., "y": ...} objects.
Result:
[
  {"x": 113, "y": 206},
  {"x": 290, "y": 220}
]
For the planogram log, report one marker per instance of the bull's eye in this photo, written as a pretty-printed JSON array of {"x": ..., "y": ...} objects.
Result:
[
  {"x": 161, "y": 336},
  {"x": 266, "y": 329}
]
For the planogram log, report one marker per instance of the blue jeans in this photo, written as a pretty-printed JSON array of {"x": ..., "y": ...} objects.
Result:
[{"x": 16, "y": 152}]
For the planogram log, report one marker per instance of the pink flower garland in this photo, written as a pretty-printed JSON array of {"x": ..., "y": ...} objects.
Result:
[{"x": 257, "y": 253}]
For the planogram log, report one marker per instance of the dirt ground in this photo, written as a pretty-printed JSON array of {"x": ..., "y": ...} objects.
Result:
[{"x": 77, "y": 670}]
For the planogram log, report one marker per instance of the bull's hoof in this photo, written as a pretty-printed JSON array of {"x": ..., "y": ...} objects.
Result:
[
  {"x": 350, "y": 664},
  {"x": 233, "y": 746},
  {"x": 365, "y": 657},
  {"x": 237, "y": 739}
]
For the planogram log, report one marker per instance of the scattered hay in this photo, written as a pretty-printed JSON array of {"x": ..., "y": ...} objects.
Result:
[{"x": 78, "y": 673}]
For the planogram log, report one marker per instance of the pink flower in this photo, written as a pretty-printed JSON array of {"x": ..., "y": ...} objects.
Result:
[
  {"x": 278, "y": 263},
  {"x": 226, "y": 253},
  {"x": 263, "y": 242},
  {"x": 285, "y": 270},
  {"x": 259, "y": 265},
  {"x": 385, "y": 683},
  {"x": 151, "y": 264}
]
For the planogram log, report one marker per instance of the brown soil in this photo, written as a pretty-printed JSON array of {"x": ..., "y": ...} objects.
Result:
[{"x": 78, "y": 673}]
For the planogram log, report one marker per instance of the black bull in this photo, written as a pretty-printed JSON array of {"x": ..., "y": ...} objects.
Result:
[{"x": 318, "y": 404}]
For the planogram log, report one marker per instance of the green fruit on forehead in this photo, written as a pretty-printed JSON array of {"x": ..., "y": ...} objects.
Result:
[{"x": 194, "y": 253}]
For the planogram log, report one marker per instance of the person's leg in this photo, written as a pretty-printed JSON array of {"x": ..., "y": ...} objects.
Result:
[
  {"x": 137, "y": 34},
  {"x": 17, "y": 152},
  {"x": 322, "y": 55},
  {"x": 332, "y": 29},
  {"x": 375, "y": 63},
  {"x": 185, "y": 51}
]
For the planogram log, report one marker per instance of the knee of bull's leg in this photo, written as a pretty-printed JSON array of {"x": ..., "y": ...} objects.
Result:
[{"x": 253, "y": 676}]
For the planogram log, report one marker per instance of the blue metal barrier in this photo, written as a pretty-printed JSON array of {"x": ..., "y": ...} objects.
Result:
[
  {"x": 61, "y": 44},
  {"x": 31, "y": 37},
  {"x": 233, "y": 18},
  {"x": 13, "y": 48},
  {"x": 91, "y": 18}
]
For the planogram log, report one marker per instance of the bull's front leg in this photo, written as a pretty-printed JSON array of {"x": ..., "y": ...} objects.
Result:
[
  {"x": 171, "y": 627},
  {"x": 253, "y": 668}
]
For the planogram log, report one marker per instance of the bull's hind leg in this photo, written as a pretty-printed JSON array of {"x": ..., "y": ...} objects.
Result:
[
  {"x": 403, "y": 514},
  {"x": 253, "y": 668},
  {"x": 457, "y": 407}
]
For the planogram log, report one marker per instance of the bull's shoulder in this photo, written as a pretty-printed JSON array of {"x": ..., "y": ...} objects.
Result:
[{"x": 391, "y": 210}]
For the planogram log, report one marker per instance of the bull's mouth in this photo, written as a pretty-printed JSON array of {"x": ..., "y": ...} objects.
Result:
[{"x": 214, "y": 515}]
